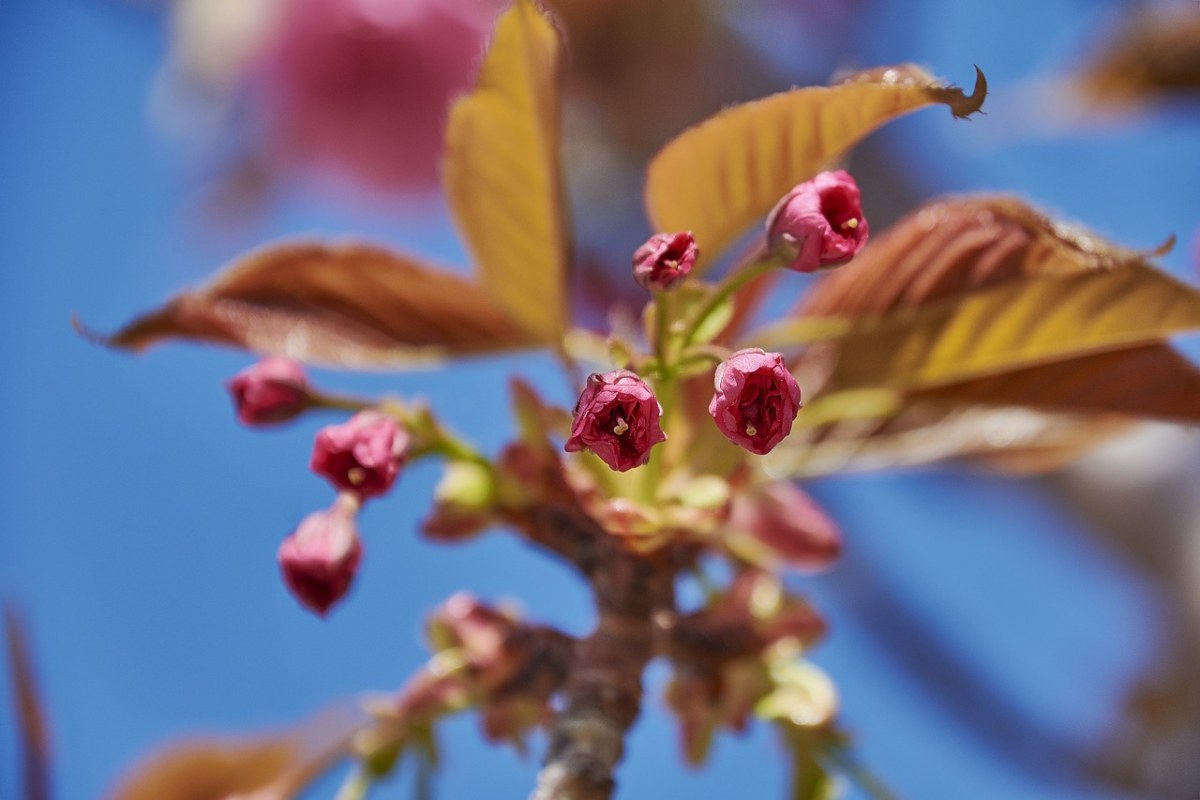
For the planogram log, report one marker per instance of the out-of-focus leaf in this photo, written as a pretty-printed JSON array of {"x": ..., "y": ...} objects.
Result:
[
  {"x": 348, "y": 305},
  {"x": 1152, "y": 53},
  {"x": 217, "y": 769},
  {"x": 1016, "y": 325},
  {"x": 1012, "y": 439},
  {"x": 1152, "y": 381},
  {"x": 502, "y": 171},
  {"x": 958, "y": 255},
  {"x": 717, "y": 178},
  {"x": 33, "y": 733},
  {"x": 953, "y": 246}
]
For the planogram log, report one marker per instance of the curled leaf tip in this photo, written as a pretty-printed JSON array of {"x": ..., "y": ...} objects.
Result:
[
  {"x": 1163, "y": 248},
  {"x": 963, "y": 105},
  {"x": 90, "y": 335}
]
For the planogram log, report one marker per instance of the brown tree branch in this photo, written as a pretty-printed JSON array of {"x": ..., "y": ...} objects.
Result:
[{"x": 604, "y": 684}]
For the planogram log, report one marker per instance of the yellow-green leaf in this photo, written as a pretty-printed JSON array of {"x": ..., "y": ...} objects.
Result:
[
  {"x": 347, "y": 305},
  {"x": 952, "y": 246},
  {"x": 1016, "y": 325},
  {"x": 922, "y": 432},
  {"x": 719, "y": 177},
  {"x": 502, "y": 172}
]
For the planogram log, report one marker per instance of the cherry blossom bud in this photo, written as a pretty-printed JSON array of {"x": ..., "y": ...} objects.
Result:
[
  {"x": 478, "y": 631},
  {"x": 320, "y": 558},
  {"x": 782, "y": 524},
  {"x": 664, "y": 259},
  {"x": 362, "y": 455},
  {"x": 273, "y": 390},
  {"x": 617, "y": 419},
  {"x": 756, "y": 399},
  {"x": 821, "y": 220}
]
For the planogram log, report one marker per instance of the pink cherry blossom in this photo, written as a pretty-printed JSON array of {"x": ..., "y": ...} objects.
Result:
[
  {"x": 362, "y": 455},
  {"x": 320, "y": 558},
  {"x": 756, "y": 400},
  {"x": 821, "y": 221},
  {"x": 617, "y": 418},
  {"x": 366, "y": 85},
  {"x": 665, "y": 259},
  {"x": 272, "y": 391}
]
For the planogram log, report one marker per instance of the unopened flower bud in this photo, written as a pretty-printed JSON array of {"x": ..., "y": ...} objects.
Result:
[
  {"x": 781, "y": 524},
  {"x": 478, "y": 631},
  {"x": 617, "y": 418},
  {"x": 664, "y": 259},
  {"x": 819, "y": 223},
  {"x": 362, "y": 455},
  {"x": 320, "y": 557},
  {"x": 273, "y": 390},
  {"x": 756, "y": 400}
]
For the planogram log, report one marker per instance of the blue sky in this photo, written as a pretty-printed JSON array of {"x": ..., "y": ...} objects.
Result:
[{"x": 138, "y": 522}]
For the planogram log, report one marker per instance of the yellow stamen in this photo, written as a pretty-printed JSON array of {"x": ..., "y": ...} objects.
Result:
[
  {"x": 356, "y": 475},
  {"x": 851, "y": 223},
  {"x": 751, "y": 430},
  {"x": 620, "y": 427}
]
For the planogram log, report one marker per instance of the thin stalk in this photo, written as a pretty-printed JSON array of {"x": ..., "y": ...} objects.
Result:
[{"x": 726, "y": 289}]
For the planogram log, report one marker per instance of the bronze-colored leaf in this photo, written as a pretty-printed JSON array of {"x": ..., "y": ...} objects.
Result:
[
  {"x": 966, "y": 249},
  {"x": 1011, "y": 439},
  {"x": 719, "y": 177},
  {"x": 1016, "y": 325},
  {"x": 953, "y": 246},
  {"x": 1151, "y": 381},
  {"x": 1058, "y": 345},
  {"x": 218, "y": 769},
  {"x": 346, "y": 305},
  {"x": 33, "y": 733},
  {"x": 502, "y": 172},
  {"x": 1152, "y": 53}
]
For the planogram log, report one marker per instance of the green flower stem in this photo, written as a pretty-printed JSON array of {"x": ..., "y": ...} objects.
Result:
[
  {"x": 843, "y": 761},
  {"x": 338, "y": 402},
  {"x": 356, "y": 787},
  {"x": 662, "y": 314},
  {"x": 727, "y": 288}
]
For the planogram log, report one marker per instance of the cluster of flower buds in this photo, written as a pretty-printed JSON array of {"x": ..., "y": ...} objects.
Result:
[
  {"x": 488, "y": 658},
  {"x": 819, "y": 223},
  {"x": 361, "y": 458}
]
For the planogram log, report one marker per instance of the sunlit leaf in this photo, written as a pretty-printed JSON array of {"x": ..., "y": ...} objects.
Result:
[
  {"x": 967, "y": 258},
  {"x": 1016, "y": 325},
  {"x": 347, "y": 305},
  {"x": 1011, "y": 439},
  {"x": 32, "y": 730},
  {"x": 953, "y": 246},
  {"x": 1151, "y": 381},
  {"x": 502, "y": 171},
  {"x": 719, "y": 177},
  {"x": 883, "y": 402},
  {"x": 217, "y": 769}
]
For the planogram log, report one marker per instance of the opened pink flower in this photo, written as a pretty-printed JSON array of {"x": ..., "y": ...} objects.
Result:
[
  {"x": 273, "y": 390},
  {"x": 665, "y": 259},
  {"x": 819, "y": 223},
  {"x": 319, "y": 560},
  {"x": 617, "y": 418},
  {"x": 756, "y": 400},
  {"x": 362, "y": 455}
]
